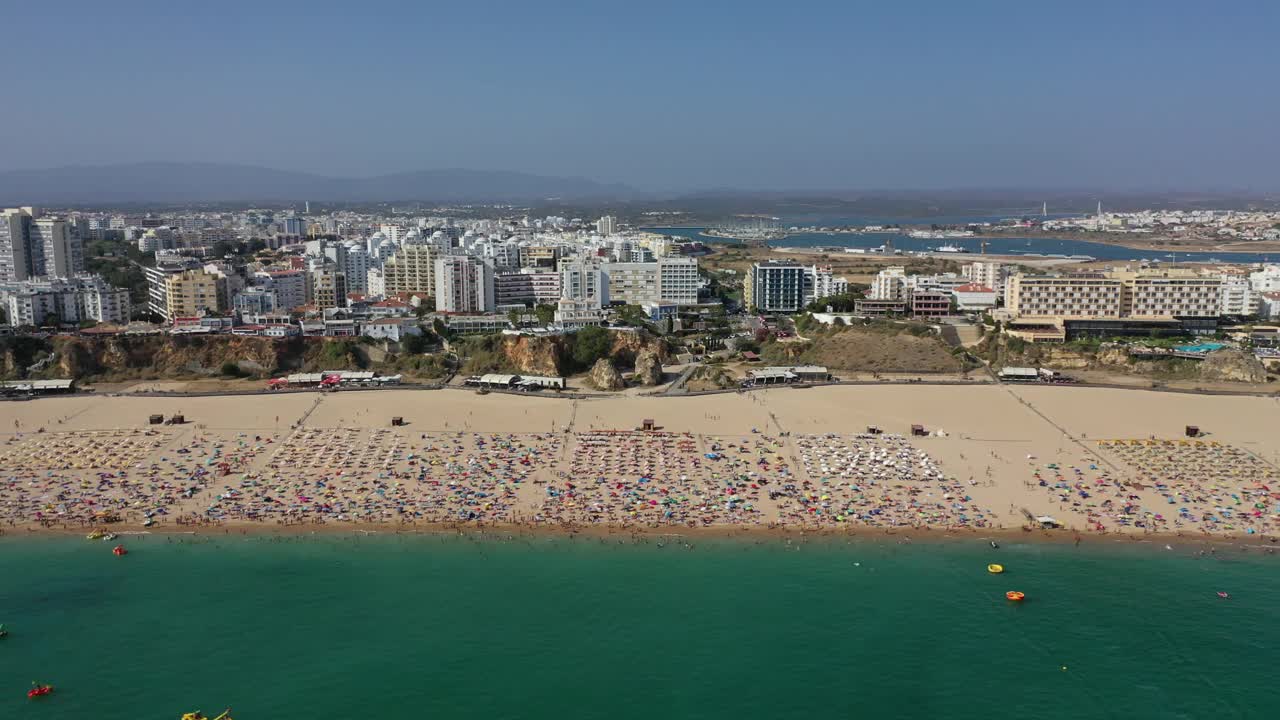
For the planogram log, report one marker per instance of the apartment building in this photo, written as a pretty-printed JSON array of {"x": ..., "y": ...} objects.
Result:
[
  {"x": 669, "y": 280},
  {"x": 464, "y": 284},
  {"x": 411, "y": 269},
  {"x": 889, "y": 284},
  {"x": 328, "y": 287},
  {"x": 190, "y": 293},
  {"x": 527, "y": 286},
  {"x": 777, "y": 286}
]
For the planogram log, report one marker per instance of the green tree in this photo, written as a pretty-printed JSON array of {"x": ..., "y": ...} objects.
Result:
[
  {"x": 546, "y": 314},
  {"x": 231, "y": 369},
  {"x": 414, "y": 344},
  {"x": 591, "y": 344}
]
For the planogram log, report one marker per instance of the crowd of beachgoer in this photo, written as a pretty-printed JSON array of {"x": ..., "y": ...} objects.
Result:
[
  {"x": 143, "y": 476},
  {"x": 660, "y": 478},
  {"x": 390, "y": 477},
  {"x": 1180, "y": 486},
  {"x": 876, "y": 480},
  {"x": 622, "y": 478},
  {"x": 81, "y": 450}
]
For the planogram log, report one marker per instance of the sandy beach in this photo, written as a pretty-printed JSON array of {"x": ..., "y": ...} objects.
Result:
[{"x": 1098, "y": 461}]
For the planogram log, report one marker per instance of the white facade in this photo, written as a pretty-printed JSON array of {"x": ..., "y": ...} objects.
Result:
[
  {"x": 678, "y": 280},
  {"x": 820, "y": 283},
  {"x": 464, "y": 284},
  {"x": 1237, "y": 296},
  {"x": 889, "y": 284},
  {"x": 32, "y": 246},
  {"x": 290, "y": 286},
  {"x": 991, "y": 274},
  {"x": 375, "y": 283},
  {"x": 69, "y": 300},
  {"x": 607, "y": 225},
  {"x": 1266, "y": 280},
  {"x": 974, "y": 296},
  {"x": 356, "y": 264},
  {"x": 584, "y": 279}
]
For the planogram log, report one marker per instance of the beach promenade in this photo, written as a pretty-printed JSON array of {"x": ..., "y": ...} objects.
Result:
[{"x": 993, "y": 459}]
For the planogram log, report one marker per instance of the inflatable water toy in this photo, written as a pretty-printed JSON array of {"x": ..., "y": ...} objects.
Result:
[
  {"x": 1015, "y": 595},
  {"x": 994, "y": 545},
  {"x": 1223, "y": 595},
  {"x": 96, "y": 535},
  {"x": 39, "y": 690},
  {"x": 995, "y": 569},
  {"x": 197, "y": 715},
  {"x": 119, "y": 551}
]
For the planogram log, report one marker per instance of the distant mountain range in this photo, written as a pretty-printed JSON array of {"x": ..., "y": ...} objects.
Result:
[{"x": 213, "y": 182}]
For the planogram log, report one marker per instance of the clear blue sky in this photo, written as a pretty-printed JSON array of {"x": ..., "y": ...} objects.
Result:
[{"x": 662, "y": 95}]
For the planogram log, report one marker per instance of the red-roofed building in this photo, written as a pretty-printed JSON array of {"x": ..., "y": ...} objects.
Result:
[{"x": 974, "y": 297}]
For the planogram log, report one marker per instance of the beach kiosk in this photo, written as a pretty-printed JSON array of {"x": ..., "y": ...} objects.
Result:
[
  {"x": 647, "y": 425},
  {"x": 1193, "y": 431},
  {"x": 156, "y": 420},
  {"x": 919, "y": 431},
  {"x": 397, "y": 421}
]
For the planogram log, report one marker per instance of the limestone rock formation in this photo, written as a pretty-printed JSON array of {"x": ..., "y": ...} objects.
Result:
[
  {"x": 1233, "y": 366},
  {"x": 648, "y": 368},
  {"x": 604, "y": 376}
]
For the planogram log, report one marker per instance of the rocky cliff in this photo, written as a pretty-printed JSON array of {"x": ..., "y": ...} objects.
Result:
[
  {"x": 122, "y": 357},
  {"x": 551, "y": 354},
  {"x": 1227, "y": 365}
]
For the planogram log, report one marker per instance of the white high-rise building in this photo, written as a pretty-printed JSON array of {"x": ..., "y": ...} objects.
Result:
[
  {"x": 1237, "y": 296},
  {"x": 607, "y": 225},
  {"x": 890, "y": 284},
  {"x": 356, "y": 264},
  {"x": 584, "y": 279},
  {"x": 463, "y": 284},
  {"x": 990, "y": 274},
  {"x": 375, "y": 283},
  {"x": 32, "y": 246},
  {"x": 821, "y": 283}
]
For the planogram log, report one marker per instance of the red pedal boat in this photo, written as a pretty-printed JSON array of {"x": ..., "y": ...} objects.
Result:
[
  {"x": 119, "y": 550},
  {"x": 39, "y": 690}
]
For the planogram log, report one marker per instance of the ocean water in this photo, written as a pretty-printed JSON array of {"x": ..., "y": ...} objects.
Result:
[
  {"x": 995, "y": 246},
  {"x": 447, "y": 627}
]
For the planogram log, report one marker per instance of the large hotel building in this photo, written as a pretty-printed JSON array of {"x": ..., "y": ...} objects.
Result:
[{"x": 1118, "y": 294}]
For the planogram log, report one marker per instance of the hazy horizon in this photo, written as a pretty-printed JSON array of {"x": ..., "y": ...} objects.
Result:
[{"x": 664, "y": 97}]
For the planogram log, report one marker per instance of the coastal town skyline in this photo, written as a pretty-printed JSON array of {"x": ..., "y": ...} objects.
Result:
[{"x": 707, "y": 360}]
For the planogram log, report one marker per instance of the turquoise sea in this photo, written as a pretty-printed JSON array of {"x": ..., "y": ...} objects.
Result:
[{"x": 448, "y": 627}]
